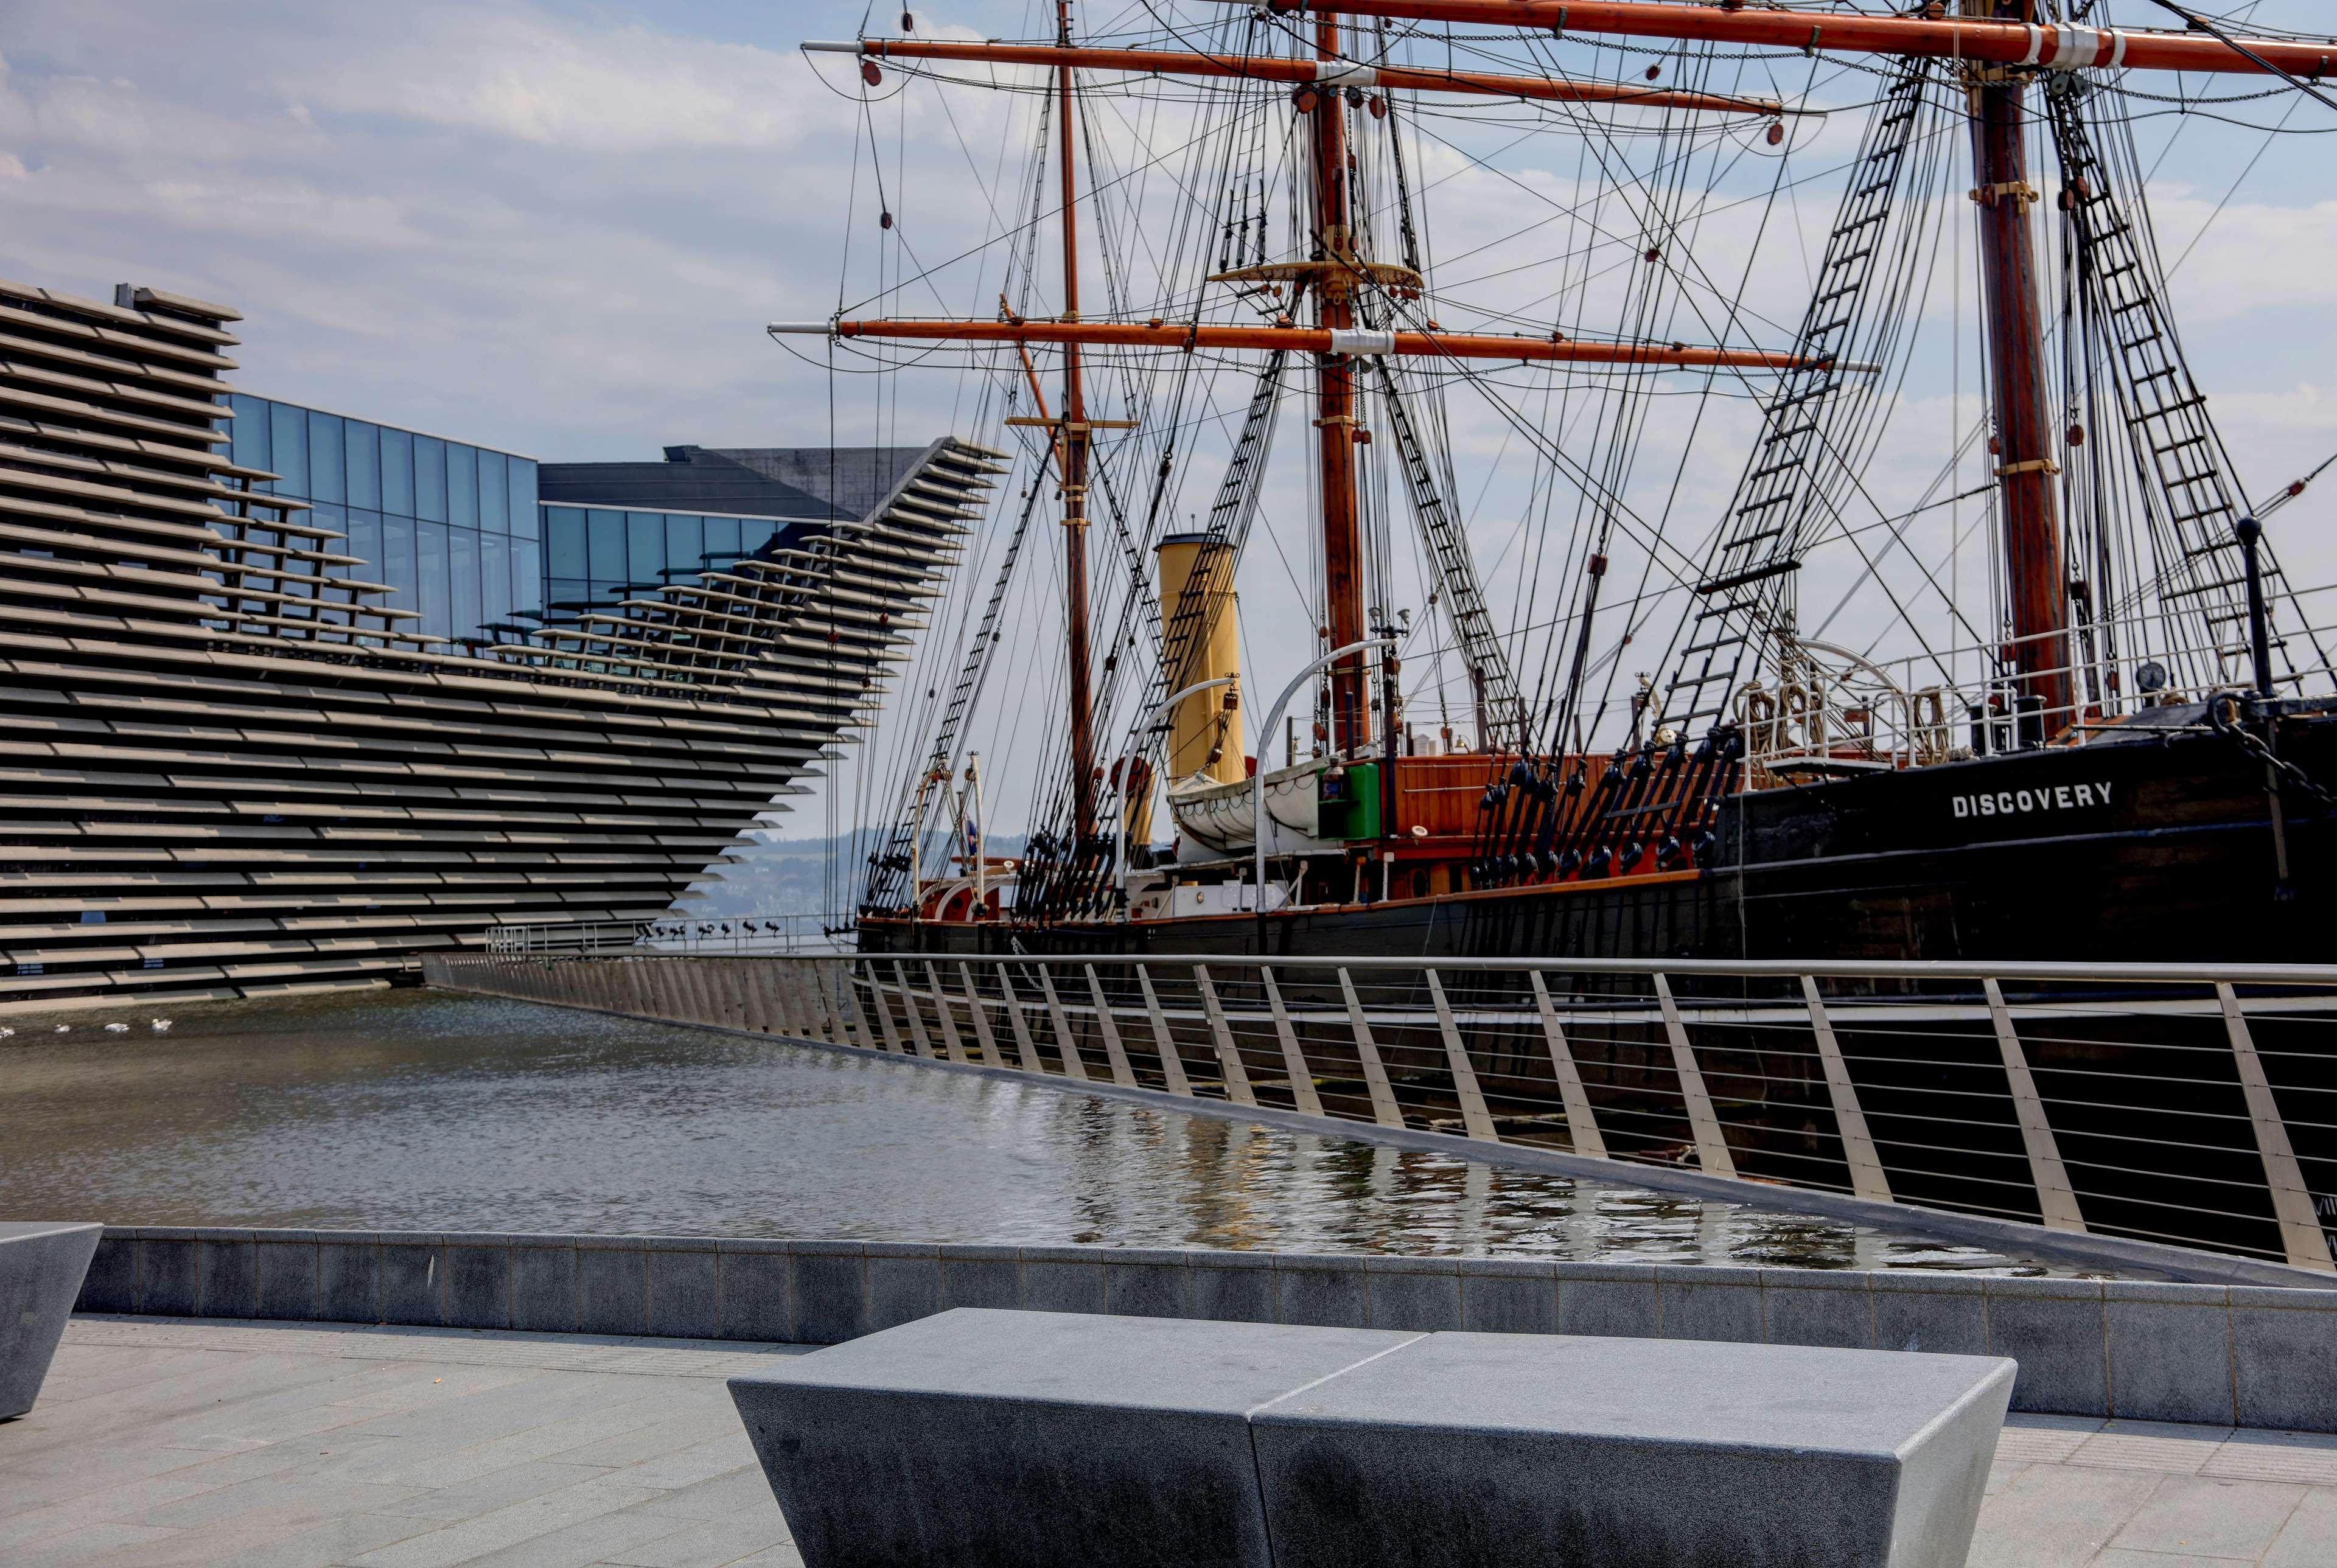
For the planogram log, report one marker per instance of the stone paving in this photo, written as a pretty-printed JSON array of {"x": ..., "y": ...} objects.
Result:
[{"x": 264, "y": 1445}]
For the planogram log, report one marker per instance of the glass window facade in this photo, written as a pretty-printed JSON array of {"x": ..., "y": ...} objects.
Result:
[
  {"x": 595, "y": 558},
  {"x": 453, "y": 528}
]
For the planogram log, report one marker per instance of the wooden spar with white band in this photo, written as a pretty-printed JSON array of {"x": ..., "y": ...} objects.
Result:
[
  {"x": 1301, "y": 73},
  {"x": 1187, "y": 337},
  {"x": 1974, "y": 40}
]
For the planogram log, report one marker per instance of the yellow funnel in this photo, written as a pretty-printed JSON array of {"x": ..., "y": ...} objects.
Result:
[{"x": 1204, "y": 733}]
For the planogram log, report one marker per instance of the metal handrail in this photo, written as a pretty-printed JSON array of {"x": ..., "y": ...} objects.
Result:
[
  {"x": 1767, "y": 968},
  {"x": 734, "y": 934}
]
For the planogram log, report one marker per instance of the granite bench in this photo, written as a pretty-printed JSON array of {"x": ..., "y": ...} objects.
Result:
[
  {"x": 41, "y": 1263},
  {"x": 983, "y": 1437}
]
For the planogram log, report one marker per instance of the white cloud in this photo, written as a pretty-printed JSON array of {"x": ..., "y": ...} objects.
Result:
[{"x": 558, "y": 225}]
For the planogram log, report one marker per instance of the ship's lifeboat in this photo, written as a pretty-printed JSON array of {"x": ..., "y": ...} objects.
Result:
[{"x": 1223, "y": 817}]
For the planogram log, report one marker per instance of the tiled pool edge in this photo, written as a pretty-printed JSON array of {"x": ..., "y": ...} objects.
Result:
[{"x": 2234, "y": 1355}]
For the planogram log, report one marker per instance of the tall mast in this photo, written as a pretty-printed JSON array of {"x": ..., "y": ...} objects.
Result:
[
  {"x": 1335, "y": 403},
  {"x": 2035, "y": 581},
  {"x": 1075, "y": 472}
]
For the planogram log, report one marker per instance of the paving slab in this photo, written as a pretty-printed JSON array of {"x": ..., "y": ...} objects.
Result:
[{"x": 2065, "y": 1493}]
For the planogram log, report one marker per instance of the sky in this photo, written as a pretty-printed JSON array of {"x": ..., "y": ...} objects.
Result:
[{"x": 558, "y": 228}]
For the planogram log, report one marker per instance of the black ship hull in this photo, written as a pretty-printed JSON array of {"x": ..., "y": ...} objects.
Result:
[{"x": 2157, "y": 847}]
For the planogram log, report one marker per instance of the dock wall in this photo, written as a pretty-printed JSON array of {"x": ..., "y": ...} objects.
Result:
[{"x": 2236, "y": 1355}]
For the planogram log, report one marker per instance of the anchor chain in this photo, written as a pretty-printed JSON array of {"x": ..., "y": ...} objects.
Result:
[{"x": 2228, "y": 712}]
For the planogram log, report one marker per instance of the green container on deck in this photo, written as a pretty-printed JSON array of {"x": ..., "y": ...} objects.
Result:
[{"x": 1349, "y": 806}]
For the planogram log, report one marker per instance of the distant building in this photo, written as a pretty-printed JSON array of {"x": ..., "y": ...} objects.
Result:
[{"x": 283, "y": 711}]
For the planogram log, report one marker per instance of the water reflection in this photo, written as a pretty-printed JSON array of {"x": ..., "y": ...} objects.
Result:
[{"x": 414, "y": 1111}]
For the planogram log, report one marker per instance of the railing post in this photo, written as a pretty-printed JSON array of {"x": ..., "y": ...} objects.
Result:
[
  {"x": 2057, "y": 1202},
  {"x": 1113, "y": 1052},
  {"x": 1712, "y": 1155},
  {"x": 1582, "y": 1127},
  {"x": 851, "y": 1018},
  {"x": 1294, "y": 1061},
  {"x": 1065, "y": 1042},
  {"x": 1229, "y": 1062},
  {"x": 909, "y": 1006},
  {"x": 786, "y": 997},
  {"x": 1026, "y": 1049},
  {"x": 823, "y": 976},
  {"x": 1867, "y": 1178},
  {"x": 1172, "y": 1066},
  {"x": 2300, "y": 1235},
  {"x": 1385, "y": 1110},
  {"x": 951, "y": 1042},
  {"x": 982, "y": 1031},
  {"x": 1475, "y": 1119},
  {"x": 755, "y": 999},
  {"x": 876, "y": 983}
]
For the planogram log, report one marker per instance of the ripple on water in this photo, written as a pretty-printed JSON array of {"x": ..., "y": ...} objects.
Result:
[{"x": 412, "y": 1110}]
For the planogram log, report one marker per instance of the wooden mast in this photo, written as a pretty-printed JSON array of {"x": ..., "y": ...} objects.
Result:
[
  {"x": 1335, "y": 403},
  {"x": 2035, "y": 584},
  {"x": 1074, "y": 449}
]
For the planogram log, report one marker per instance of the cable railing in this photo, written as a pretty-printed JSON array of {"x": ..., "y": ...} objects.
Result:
[
  {"x": 2190, "y": 1105},
  {"x": 740, "y": 935}
]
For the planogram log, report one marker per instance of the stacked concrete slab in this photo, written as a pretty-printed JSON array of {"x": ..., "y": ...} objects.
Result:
[{"x": 234, "y": 768}]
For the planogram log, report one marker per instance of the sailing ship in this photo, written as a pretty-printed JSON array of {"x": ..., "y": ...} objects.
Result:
[{"x": 2116, "y": 742}]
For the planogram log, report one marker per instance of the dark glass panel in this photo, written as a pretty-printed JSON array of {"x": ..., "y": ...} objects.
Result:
[
  {"x": 397, "y": 472},
  {"x": 364, "y": 542},
  {"x": 437, "y": 604},
  {"x": 494, "y": 579},
  {"x": 564, "y": 541},
  {"x": 755, "y": 534},
  {"x": 249, "y": 449},
  {"x": 527, "y": 577},
  {"x": 397, "y": 560},
  {"x": 430, "y": 478},
  {"x": 521, "y": 474},
  {"x": 463, "y": 581},
  {"x": 361, "y": 448},
  {"x": 462, "y": 486},
  {"x": 287, "y": 438},
  {"x": 722, "y": 540},
  {"x": 326, "y": 456},
  {"x": 495, "y": 493},
  {"x": 607, "y": 530},
  {"x": 685, "y": 542},
  {"x": 645, "y": 547}
]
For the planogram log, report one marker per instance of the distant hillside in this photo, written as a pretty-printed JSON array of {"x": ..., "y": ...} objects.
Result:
[{"x": 802, "y": 876}]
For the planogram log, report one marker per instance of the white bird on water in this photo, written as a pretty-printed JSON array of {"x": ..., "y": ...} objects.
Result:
[
  {"x": 64, "y": 1029},
  {"x": 162, "y": 1026},
  {"x": 117, "y": 1029},
  {"x": 5, "y": 1033}
]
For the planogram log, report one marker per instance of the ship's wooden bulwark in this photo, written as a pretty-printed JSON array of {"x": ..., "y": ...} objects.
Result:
[{"x": 231, "y": 767}]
